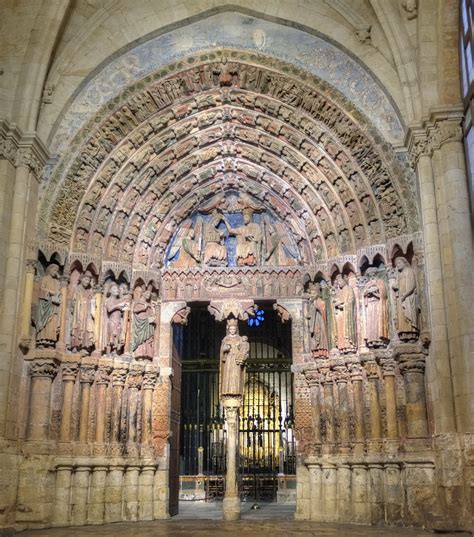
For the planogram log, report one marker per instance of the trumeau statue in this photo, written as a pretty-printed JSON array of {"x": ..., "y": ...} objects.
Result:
[
  {"x": 375, "y": 310},
  {"x": 406, "y": 295},
  {"x": 115, "y": 305},
  {"x": 83, "y": 314},
  {"x": 143, "y": 324},
  {"x": 344, "y": 308},
  {"x": 47, "y": 313},
  {"x": 318, "y": 322},
  {"x": 233, "y": 355}
]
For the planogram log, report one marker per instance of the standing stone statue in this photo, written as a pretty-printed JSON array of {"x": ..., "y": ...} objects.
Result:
[
  {"x": 143, "y": 325},
  {"x": 47, "y": 314},
  {"x": 407, "y": 319},
  {"x": 375, "y": 310},
  {"x": 115, "y": 305},
  {"x": 234, "y": 353},
  {"x": 318, "y": 322},
  {"x": 83, "y": 315},
  {"x": 344, "y": 306}
]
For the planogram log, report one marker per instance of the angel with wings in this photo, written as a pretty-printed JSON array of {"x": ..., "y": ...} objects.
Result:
[
  {"x": 278, "y": 246},
  {"x": 185, "y": 252}
]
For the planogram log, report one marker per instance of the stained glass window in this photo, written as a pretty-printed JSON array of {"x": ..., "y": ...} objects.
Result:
[{"x": 258, "y": 319}]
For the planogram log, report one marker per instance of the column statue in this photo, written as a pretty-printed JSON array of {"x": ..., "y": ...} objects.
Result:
[
  {"x": 47, "y": 313},
  {"x": 143, "y": 325},
  {"x": 406, "y": 296},
  {"x": 344, "y": 315},
  {"x": 234, "y": 353},
  {"x": 115, "y": 305},
  {"x": 318, "y": 322},
  {"x": 375, "y": 310},
  {"x": 83, "y": 314}
]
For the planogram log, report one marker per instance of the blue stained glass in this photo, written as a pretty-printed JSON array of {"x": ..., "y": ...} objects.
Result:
[{"x": 258, "y": 319}]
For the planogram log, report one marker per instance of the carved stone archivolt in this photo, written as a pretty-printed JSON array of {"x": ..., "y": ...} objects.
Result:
[{"x": 159, "y": 158}]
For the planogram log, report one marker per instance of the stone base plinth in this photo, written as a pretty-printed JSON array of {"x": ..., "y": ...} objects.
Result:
[{"x": 231, "y": 507}]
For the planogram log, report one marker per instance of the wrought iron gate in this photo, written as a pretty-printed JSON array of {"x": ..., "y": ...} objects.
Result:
[{"x": 267, "y": 445}]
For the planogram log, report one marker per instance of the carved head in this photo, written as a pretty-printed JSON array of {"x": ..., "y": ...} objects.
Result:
[
  {"x": 371, "y": 272},
  {"x": 114, "y": 290},
  {"x": 86, "y": 279},
  {"x": 401, "y": 263},
  {"x": 52, "y": 270},
  {"x": 232, "y": 327}
]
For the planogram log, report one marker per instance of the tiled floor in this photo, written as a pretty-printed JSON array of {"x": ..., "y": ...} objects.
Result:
[{"x": 204, "y": 520}]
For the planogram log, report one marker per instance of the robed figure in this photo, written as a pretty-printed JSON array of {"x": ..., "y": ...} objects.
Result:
[
  {"x": 115, "y": 305},
  {"x": 344, "y": 307},
  {"x": 318, "y": 322},
  {"x": 406, "y": 300},
  {"x": 47, "y": 313},
  {"x": 249, "y": 240},
  {"x": 234, "y": 353},
  {"x": 83, "y": 315},
  {"x": 143, "y": 325},
  {"x": 375, "y": 309}
]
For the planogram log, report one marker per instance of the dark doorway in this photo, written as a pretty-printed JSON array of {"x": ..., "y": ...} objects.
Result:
[{"x": 267, "y": 447}]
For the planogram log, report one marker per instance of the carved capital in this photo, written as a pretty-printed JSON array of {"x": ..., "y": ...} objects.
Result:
[
  {"x": 69, "y": 371},
  {"x": 47, "y": 368},
  {"x": 371, "y": 367},
  {"x": 150, "y": 378},
  {"x": 181, "y": 316},
  {"x": 313, "y": 377},
  {"x": 87, "y": 374},
  {"x": 102, "y": 375},
  {"x": 119, "y": 376},
  {"x": 388, "y": 366},
  {"x": 282, "y": 312},
  {"x": 135, "y": 378},
  {"x": 412, "y": 363}
]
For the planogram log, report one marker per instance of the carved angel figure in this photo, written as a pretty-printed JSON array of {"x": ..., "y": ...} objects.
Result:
[
  {"x": 47, "y": 313},
  {"x": 375, "y": 310},
  {"x": 185, "y": 251},
  {"x": 83, "y": 315},
  {"x": 278, "y": 248}
]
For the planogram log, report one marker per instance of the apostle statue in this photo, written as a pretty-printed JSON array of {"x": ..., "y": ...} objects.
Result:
[
  {"x": 344, "y": 309},
  {"x": 234, "y": 353},
  {"x": 249, "y": 240},
  {"x": 375, "y": 310},
  {"x": 83, "y": 315},
  {"x": 318, "y": 322},
  {"x": 47, "y": 315},
  {"x": 115, "y": 304},
  {"x": 406, "y": 297},
  {"x": 143, "y": 325}
]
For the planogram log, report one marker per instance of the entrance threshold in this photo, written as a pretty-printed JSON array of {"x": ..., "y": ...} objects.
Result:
[{"x": 213, "y": 511}]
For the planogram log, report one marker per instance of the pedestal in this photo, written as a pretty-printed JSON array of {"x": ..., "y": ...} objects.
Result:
[{"x": 231, "y": 504}]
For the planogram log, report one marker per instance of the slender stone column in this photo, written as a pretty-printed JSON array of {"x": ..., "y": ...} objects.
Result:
[
  {"x": 86, "y": 379},
  {"x": 373, "y": 373},
  {"x": 95, "y": 510},
  {"x": 376, "y": 493},
  {"x": 130, "y": 491},
  {"x": 119, "y": 376},
  {"x": 27, "y": 300},
  {"x": 327, "y": 407},
  {"x": 412, "y": 367},
  {"x": 79, "y": 495},
  {"x": 313, "y": 378},
  {"x": 43, "y": 371},
  {"x": 113, "y": 494},
  {"x": 61, "y": 346},
  {"x": 393, "y": 493},
  {"x": 62, "y": 493},
  {"x": 145, "y": 492},
  {"x": 69, "y": 373},
  {"x": 98, "y": 316},
  {"x": 341, "y": 376},
  {"x": 231, "y": 496},
  {"x": 102, "y": 379},
  {"x": 134, "y": 382},
  {"x": 150, "y": 378},
  {"x": 388, "y": 372},
  {"x": 356, "y": 379}
]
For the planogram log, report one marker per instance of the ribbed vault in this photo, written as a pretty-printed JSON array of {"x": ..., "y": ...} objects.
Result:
[{"x": 218, "y": 125}]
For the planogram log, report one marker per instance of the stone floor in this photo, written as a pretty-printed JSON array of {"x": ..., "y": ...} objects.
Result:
[{"x": 202, "y": 520}]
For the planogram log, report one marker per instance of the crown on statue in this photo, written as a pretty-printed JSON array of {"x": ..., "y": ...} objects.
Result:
[{"x": 232, "y": 322}]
